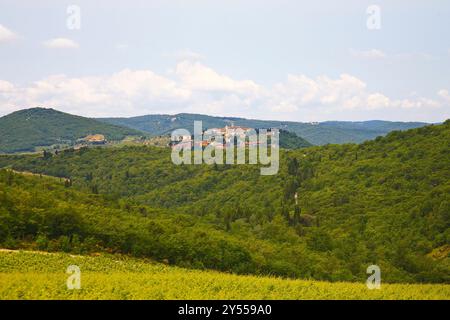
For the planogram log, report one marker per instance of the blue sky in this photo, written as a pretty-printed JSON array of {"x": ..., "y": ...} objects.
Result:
[{"x": 288, "y": 60}]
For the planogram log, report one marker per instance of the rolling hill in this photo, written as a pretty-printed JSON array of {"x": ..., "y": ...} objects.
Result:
[
  {"x": 24, "y": 130},
  {"x": 318, "y": 133},
  {"x": 383, "y": 202}
]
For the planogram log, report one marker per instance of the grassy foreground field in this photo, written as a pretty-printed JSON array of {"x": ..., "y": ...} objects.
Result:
[{"x": 39, "y": 275}]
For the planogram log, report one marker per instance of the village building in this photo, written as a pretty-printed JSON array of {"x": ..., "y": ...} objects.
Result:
[
  {"x": 94, "y": 139},
  {"x": 228, "y": 134}
]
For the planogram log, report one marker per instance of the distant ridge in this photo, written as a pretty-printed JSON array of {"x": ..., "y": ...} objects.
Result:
[
  {"x": 25, "y": 130},
  {"x": 329, "y": 132}
]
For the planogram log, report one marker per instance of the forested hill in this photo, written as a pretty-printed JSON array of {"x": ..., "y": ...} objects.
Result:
[
  {"x": 289, "y": 140},
  {"x": 384, "y": 202},
  {"x": 316, "y": 133},
  {"x": 26, "y": 129}
]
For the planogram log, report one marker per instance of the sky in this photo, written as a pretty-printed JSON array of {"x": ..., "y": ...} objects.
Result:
[{"x": 292, "y": 60}]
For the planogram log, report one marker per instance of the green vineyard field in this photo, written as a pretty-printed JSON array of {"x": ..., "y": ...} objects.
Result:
[{"x": 40, "y": 275}]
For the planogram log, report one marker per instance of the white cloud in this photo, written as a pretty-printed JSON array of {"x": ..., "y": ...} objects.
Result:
[
  {"x": 194, "y": 87},
  {"x": 444, "y": 95},
  {"x": 61, "y": 43},
  {"x": 305, "y": 92},
  {"x": 6, "y": 87},
  {"x": 420, "y": 102},
  {"x": 6, "y": 34},
  {"x": 368, "y": 54},
  {"x": 125, "y": 92},
  {"x": 378, "y": 100},
  {"x": 196, "y": 76}
]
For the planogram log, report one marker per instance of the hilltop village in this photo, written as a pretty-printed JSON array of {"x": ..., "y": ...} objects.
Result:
[{"x": 228, "y": 134}]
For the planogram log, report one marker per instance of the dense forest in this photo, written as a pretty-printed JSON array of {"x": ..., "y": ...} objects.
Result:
[
  {"x": 383, "y": 202},
  {"x": 289, "y": 140}
]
